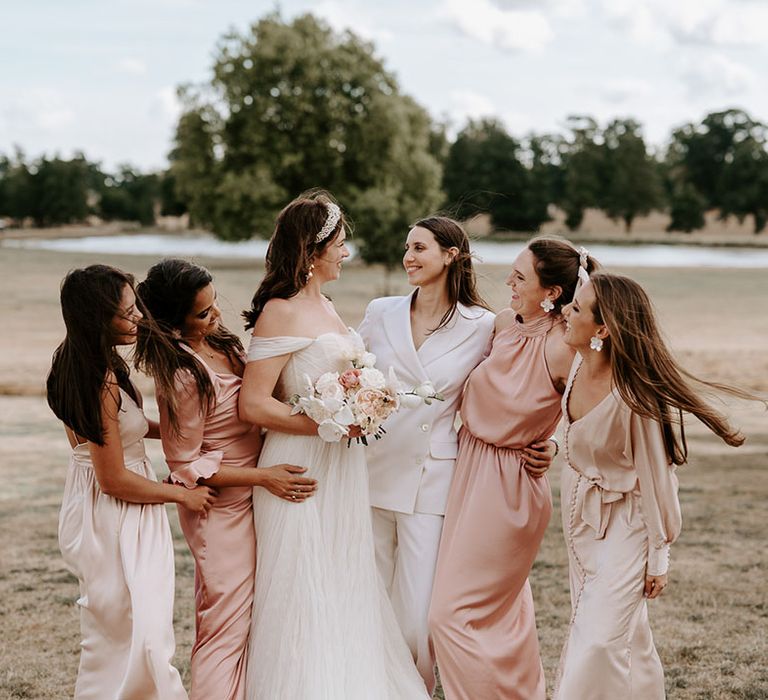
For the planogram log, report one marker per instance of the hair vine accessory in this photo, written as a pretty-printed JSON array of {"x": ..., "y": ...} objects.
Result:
[
  {"x": 583, "y": 262},
  {"x": 334, "y": 214}
]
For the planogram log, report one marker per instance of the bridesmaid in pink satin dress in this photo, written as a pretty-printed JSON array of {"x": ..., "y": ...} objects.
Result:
[
  {"x": 113, "y": 527},
  {"x": 198, "y": 387},
  {"x": 620, "y": 511},
  {"x": 482, "y": 617}
]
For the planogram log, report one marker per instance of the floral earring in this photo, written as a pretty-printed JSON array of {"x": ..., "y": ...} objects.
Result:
[
  {"x": 547, "y": 305},
  {"x": 596, "y": 343}
]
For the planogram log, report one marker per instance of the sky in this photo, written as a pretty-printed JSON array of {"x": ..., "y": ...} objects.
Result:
[{"x": 101, "y": 77}]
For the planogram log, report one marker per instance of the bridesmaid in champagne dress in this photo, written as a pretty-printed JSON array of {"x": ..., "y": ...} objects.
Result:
[
  {"x": 619, "y": 489},
  {"x": 205, "y": 441},
  {"x": 113, "y": 528},
  {"x": 482, "y": 617}
]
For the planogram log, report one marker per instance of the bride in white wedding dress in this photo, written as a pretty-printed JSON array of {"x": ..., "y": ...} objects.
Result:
[{"x": 322, "y": 624}]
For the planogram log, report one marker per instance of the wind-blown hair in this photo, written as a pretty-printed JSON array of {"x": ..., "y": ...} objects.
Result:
[
  {"x": 461, "y": 282},
  {"x": 169, "y": 293},
  {"x": 291, "y": 249},
  {"x": 557, "y": 265},
  {"x": 646, "y": 375},
  {"x": 90, "y": 300}
]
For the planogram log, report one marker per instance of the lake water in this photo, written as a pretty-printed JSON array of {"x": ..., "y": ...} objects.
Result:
[{"x": 197, "y": 246}]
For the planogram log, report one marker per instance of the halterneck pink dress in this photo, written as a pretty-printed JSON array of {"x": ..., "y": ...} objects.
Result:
[
  {"x": 482, "y": 617},
  {"x": 222, "y": 542},
  {"x": 620, "y": 514},
  {"x": 122, "y": 555}
]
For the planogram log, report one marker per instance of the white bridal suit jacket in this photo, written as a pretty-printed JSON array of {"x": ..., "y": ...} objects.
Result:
[{"x": 411, "y": 467}]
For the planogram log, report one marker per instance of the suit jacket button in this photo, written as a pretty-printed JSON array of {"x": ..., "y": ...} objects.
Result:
[{"x": 424, "y": 427}]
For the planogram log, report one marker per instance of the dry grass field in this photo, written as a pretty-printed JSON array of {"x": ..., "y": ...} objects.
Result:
[{"x": 711, "y": 628}]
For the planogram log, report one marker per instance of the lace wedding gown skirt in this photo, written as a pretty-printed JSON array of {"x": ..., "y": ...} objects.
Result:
[{"x": 323, "y": 627}]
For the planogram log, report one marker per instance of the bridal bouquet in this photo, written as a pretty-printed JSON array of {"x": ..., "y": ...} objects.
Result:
[{"x": 361, "y": 396}]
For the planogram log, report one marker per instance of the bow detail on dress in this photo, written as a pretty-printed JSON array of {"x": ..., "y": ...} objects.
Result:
[{"x": 596, "y": 509}]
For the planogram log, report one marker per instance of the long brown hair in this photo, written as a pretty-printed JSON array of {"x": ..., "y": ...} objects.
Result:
[
  {"x": 90, "y": 300},
  {"x": 557, "y": 265},
  {"x": 292, "y": 248},
  {"x": 646, "y": 375},
  {"x": 169, "y": 293},
  {"x": 461, "y": 282}
]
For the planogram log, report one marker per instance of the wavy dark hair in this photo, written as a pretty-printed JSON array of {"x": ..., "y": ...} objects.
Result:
[
  {"x": 646, "y": 375},
  {"x": 90, "y": 300},
  {"x": 461, "y": 282},
  {"x": 557, "y": 265},
  {"x": 169, "y": 293},
  {"x": 291, "y": 250}
]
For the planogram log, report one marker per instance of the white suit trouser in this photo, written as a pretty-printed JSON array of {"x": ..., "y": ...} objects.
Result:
[{"x": 406, "y": 553}]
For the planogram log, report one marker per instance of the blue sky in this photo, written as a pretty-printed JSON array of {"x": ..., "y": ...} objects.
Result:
[{"x": 101, "y": 76}]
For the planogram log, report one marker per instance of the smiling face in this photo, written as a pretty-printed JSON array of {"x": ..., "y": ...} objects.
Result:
[
  {"x": 527, "y": 292},
  {"x": 328, "y": 263},
  {"x": 425, "y": 261},
  {"x": 125, "y": 321},
  {"x": 204, "y": 316},
  {"x": 580, "y": 323}
]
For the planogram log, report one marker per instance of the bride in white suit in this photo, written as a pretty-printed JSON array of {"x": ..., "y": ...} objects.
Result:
[{"x": 439, "y": 334}]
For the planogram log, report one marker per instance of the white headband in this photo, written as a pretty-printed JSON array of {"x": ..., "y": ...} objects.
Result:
[
  {"x": 334, "y": 214},
  {"x": 583, "y": 261}
]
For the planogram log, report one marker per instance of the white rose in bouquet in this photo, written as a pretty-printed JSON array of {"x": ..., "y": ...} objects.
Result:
[
  {"x": 328, "y": 386},
  {"x": 331, "y": 431},
  {"x": 368, "y": 360},
  {"x": 371, "y": 378}
]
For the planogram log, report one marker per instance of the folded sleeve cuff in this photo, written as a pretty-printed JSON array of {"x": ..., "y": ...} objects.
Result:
[
  {"x": 658, "y": 560},
  {"x": 205, "y": 466}
]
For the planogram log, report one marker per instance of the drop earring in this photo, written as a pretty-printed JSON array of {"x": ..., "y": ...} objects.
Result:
[
  {"x": 596, "y": 343},
  {"x": 547, "y": 305},
  {"x": 310, "y": 274}
]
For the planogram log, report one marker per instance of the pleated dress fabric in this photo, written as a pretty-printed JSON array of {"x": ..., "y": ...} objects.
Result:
[
  {"x": 323, "y": 626},
  {"x": 482, "y": 616},
  {"x": 222, "y": 541},
  {"x": 620, "y": 514},
  {"x": 122, "y": 555}
]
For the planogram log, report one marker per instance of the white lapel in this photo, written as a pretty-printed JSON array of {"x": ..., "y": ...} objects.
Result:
[
  {"x": 397, "y": 326},
  {"x": 460, "y": 328}
]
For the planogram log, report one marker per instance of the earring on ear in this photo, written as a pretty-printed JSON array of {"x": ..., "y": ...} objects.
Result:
[
  {"x": 310, "y": 274},
  {"x": 596, "y": 343},
  {"x": 547, "y": 305}
]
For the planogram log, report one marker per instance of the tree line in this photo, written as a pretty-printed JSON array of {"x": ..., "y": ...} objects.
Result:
[{"x": 293, "y": 105}]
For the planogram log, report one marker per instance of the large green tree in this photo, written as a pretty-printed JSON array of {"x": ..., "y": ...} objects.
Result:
[
  {"x": 725, "y": 160},
  {"x": 632, "y": 185},
  {"x": 484, "y": 172},
  {"x": 294, "y": 105},
  {"x": 584, "y": 162}
]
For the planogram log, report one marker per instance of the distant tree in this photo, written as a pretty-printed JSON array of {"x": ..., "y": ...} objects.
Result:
[
  {"x": 292, "y": 106},
  {"x": 546, "y": 178},
  {"x": 687, "y": 208},
  {"x": 632, "y": 185},
  {"x": 130, "y": 196},
  {"x": 484, "y": 173},
  {"x": 5, "y": 169},
  {"x": 724, "y": 159},
  {"x": 59, "y": 190},
  {"x": 584, "y": 163},
  {"x": 170, "y": 203}
]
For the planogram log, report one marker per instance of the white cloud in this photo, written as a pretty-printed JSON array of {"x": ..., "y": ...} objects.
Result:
[
  {"x": 470, "y": 105},
  {"x": 715, "y": 74},
  {"x": 558, "y": 8},
  {"x": 342, "y": 17},
  {"x": 165, "y": 104},
  {"x": 132, "y": 66},
  {"x": 705, "y": 22},
  {"x": 43, "y": 109},
  {"x": 509, "y": 30},
  {"x": 624, "y": 89}
]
